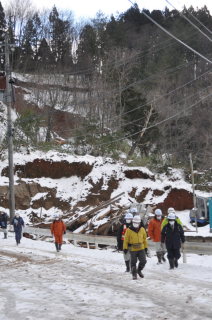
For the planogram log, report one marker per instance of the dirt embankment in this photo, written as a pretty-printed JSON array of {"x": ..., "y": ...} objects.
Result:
[{"x": 24, "y": 192}]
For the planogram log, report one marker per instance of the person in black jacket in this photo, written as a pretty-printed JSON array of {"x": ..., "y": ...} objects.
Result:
[
  {"x": 120, "y": 238},
  {"x": 174, "y": 234},
  {"x": 3, "y": 221}
]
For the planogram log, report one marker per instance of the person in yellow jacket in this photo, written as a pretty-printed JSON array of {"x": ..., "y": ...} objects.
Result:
[{"x": 137, "y": 238}]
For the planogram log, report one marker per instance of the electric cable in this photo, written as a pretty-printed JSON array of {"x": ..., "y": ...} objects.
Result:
[
  {"x": 182, "y": 15},
  {"x": 154, "y": 125},
  {"x": 171, "y": 35},
  {"x": 134, "y": 121}
]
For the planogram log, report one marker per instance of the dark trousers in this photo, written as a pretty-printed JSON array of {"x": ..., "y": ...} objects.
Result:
[
  {"x": 18, "y": 235},
  {"x": 138, "y": 255},
  {"x": 173, "y": 253}
]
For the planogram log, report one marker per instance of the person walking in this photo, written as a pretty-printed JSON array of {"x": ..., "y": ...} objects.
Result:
[
  {"x": 171, "y": 234},
  {"x": 120, "y": 239},
  {"x": 165, "y": 220},
  {"x": 3, "y": 222},
  {"x": 137, "y": 238},
  {"x": 18, "y": 223},
  {"x": 58, "y": 228},
  {"x": 154, "y": 232}
]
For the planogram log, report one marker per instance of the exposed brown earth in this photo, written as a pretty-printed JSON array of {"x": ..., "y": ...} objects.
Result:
[
  {"x": 24, "y": 192},
  {"x": 49, "y": 169},
  {"x": 138, "y": 174}
]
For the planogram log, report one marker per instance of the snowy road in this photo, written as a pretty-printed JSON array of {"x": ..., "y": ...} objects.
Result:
[{"x": 38, "y": 283}]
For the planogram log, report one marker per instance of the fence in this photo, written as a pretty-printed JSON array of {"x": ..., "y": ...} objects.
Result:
[{"x": 190, "y": 247}]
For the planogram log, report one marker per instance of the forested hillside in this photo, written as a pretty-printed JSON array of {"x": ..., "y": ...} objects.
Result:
[{"x": 113, "y": 77}]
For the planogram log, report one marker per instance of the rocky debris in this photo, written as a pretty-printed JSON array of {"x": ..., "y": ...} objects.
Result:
[{"x": 24, "y": 193}]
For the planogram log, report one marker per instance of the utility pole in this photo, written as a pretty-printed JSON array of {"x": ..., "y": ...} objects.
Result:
[
  {"x": 194, "y": 195},
  {"x": 9, "y": 130}
]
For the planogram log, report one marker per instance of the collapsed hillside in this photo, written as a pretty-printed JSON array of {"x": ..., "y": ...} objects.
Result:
[{"x": 71, "y": 186}]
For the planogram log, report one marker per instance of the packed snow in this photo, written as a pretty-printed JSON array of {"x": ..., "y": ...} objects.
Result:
[{"x": 78, "y": 283}]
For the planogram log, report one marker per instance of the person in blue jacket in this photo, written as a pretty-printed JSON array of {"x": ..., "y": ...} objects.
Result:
[
  {"x": 3, "y": 221},
  {"x": 18, "y": 223},
  {"x": 173, "y": 234}
]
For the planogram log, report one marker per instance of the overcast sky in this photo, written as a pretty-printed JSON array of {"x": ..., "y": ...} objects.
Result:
[{"x": 88, "y": 8}]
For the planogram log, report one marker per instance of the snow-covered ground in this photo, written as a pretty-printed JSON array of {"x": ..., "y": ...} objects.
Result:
[{"x": 78, "y": 283}]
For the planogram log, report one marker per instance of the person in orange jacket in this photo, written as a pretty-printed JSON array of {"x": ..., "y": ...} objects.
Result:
[
  {"x": 58, "y": 228},
  {"x": 154, "y": 232}
]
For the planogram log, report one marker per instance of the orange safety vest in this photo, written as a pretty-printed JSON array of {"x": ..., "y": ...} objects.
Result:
[{"x": 123, "y": 232}]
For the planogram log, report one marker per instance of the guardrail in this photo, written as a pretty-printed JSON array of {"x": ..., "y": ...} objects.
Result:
[{"x": 190, "y": 247}]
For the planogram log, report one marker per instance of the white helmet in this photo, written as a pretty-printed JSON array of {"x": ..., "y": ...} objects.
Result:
[
  {"x": 129, "y": 216},
  {"x": 158, "y": 212},
  {"x": 136, "y": 219},
  {"x": 171, "y": 210},
  {"x": 56, "y": 216},
  {"x": 134, "y": 210},
  {"x": 17, "y": 215},
  {"x": 171, "y": 216}
]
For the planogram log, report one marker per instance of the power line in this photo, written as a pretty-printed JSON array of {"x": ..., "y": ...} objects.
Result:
[
  {"x": 198, "y": 21},
  {"x": 98, "y": 97},
  {"x": 171, "y": 35},
  {"x": 154, "y": 125},
  {"x": 134, "y": 121},
  {"x": 182, "y": 15}
]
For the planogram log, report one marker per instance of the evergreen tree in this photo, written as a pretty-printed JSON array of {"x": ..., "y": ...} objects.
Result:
[
  {"x": 44, "y": 55},
  {"x": 59, "y": 37}
]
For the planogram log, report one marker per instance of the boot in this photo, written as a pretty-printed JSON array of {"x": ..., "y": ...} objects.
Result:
[
  {"x": 5, "y": 236},
  {"x": 140, "y": 267},
  {"x": 163, "y": 258},
  {"x": 171, "y": 263},
  {"x": 60, "y": 245},
  {"x": 17, "y": 241},
  {"x": 159, "y": 258},
  {"x": 134, "y": 273},
  {"x": 175, "y": 263},
  {"x": 57, "y": 246},
  {"x": 127, "y": 265}
]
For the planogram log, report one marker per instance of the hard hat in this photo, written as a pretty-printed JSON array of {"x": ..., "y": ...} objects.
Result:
[
  {"x": 17, "y": 215},
  {"x": 171, "y": 210},
  {"x": 171, "y": 216},
  {"x": 136, "y": 219},
  {"x": 56, "y": 215},
  {"x": 134, "y": 210},
  {"x": 129, "y": 216},
  {"x": 158, "y": 212}
]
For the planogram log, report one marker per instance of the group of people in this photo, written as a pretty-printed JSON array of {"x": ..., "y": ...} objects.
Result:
[
  {"x": 58, "y": 228},
  {"x": 17, "y": 222},
  {"x": 167, "y": 234}
]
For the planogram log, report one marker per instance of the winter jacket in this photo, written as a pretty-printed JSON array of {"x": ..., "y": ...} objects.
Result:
[
  {"x": 165, "y": 221},
  {"x": 137, "y": 239},
  {"x": 58, "y": 227},
  {"x": 172, "y": 236},
  {"x": 121, "y": 233},
  {"x": 4, "y": 220},
  {"x": 154, "y": 229},
  {"x": 17, "y": 223}
]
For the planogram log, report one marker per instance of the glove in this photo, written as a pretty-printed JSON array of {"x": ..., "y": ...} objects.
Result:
[
  {"x": 125, "y": 251},
  {"x": 64, "y": 232},
  {"x": 146, "y": 251},
  {"x": 183, "y": 245}
]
